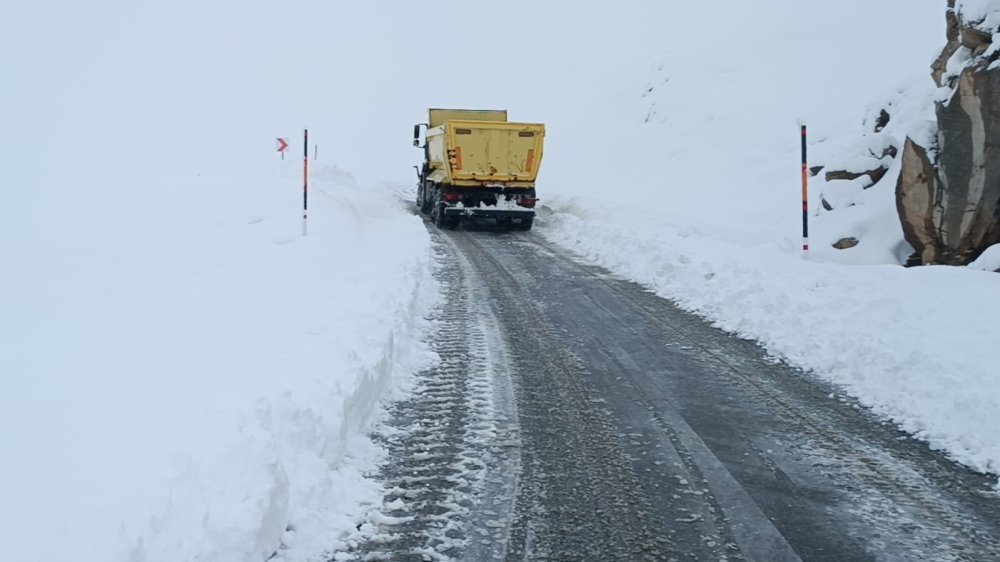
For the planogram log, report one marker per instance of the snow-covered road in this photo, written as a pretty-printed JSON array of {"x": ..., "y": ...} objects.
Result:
[
  {"x": 638, "y": 431},
  {"x": 184, "y": 376}
]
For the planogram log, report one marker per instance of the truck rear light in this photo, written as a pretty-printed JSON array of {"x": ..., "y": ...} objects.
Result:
[
  {"x": 527, "y": 201},
  {"x": 452, "y": 197}
]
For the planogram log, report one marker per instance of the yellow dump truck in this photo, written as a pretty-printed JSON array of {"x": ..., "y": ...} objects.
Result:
[{"x": 478, "y": 165}]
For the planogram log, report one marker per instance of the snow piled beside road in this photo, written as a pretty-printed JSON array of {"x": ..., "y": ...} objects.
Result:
[
  {"x": 702, "y": 205},
  {"x": 196, "y": 383},
  {"x": 916, "y": 345}
]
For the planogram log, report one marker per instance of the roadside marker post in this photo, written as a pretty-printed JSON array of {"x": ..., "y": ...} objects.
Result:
[
  {"x": 305, "y": 181},
  {"x": 282, "y": 146},
  {"x": 805, "y": 193}
]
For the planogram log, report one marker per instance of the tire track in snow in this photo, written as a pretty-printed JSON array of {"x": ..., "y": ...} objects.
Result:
[
  {"x": 453, "y": 446},
  {"x": 904, "y": 500},
  {"x": 582, "y": 495}
]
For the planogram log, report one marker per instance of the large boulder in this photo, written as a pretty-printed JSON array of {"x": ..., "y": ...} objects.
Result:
[
  {"x": 948, "y": 194},
  {"x": 915, "y": 192}
]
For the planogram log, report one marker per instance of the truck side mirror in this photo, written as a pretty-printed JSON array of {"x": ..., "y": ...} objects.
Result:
[{"x": 416, "y": 134}]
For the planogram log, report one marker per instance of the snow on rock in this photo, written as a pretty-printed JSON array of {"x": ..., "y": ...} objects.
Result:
[
  {"x": 865, "y": 207},
  {"x": 983, "y": 14},
  {"x": 196, "y": 383}
]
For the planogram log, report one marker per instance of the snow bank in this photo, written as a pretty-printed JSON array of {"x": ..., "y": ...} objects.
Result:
[
  {"x": 699, "y": 199},
  {"x": 989, "y": 260},
  {"x": 186, "y": 377}
]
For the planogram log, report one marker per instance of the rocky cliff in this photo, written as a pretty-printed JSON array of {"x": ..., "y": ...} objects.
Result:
[{"x": 948, "y": 191}]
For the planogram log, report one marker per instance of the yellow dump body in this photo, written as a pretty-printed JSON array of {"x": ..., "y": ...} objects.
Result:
[
  {"x": 437, "y": 117},
  {"x": 476, "y": 153}
]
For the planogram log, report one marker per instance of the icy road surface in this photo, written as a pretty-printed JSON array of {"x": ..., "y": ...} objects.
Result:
[{"x": 576, "y": 416}]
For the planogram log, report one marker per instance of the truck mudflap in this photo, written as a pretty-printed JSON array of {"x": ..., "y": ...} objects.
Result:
[{"x": 488, "y": 213}]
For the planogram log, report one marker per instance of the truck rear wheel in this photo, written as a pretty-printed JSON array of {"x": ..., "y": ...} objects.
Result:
[
  {"x": 437, "y": 215},
  {"x": 525, "y": 224},
  {"x": 442, "y": 220},
  {"x": 424, "y": 198}
]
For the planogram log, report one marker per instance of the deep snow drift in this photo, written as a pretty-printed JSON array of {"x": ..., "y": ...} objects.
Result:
[{"x": 190, "y": 383}]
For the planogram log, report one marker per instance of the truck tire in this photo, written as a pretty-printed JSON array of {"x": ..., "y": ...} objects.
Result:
[
  {"x": 438, "y": 216},
  {"x": 436, "y": 208},
  {"x": 426, "y": 198},
  {"x": 525, "y": 224}
]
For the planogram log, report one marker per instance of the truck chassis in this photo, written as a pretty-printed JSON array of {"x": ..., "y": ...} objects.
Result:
[{"x": 510, "y": 208}]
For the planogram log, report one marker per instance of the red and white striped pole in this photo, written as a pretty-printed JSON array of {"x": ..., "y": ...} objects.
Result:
[
  {"x": 805, "y": 193},
  {"x": 305, "y": 182}
]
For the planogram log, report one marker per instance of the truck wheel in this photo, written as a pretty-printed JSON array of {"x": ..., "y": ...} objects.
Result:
[
  {"x": 525, "y": 224},
  {"x": 420, "y": 196},
  {"x": 426, "y": 200},
  {"x": 437, "y": 215}
]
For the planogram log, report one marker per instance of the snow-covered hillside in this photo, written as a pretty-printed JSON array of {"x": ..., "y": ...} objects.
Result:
[
  {"x": 703, "y": 205},
  {"x": 184, "y": 376}
]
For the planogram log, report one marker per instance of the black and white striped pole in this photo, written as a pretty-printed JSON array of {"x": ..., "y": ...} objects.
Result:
[{"x": 805, "y": 193}]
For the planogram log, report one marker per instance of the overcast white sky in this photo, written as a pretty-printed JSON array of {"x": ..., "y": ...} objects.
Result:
[{"x": 120, "y": 87}]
